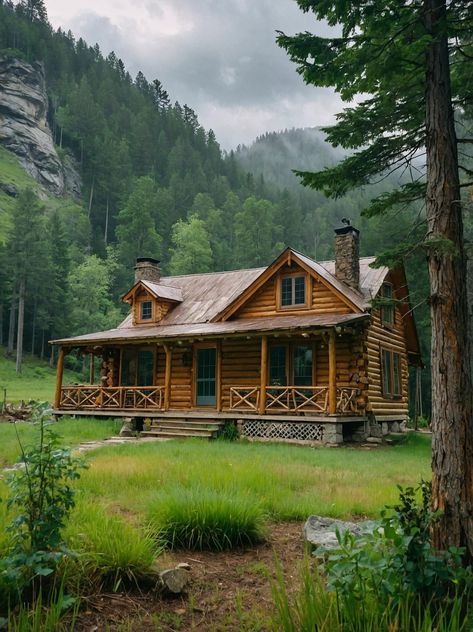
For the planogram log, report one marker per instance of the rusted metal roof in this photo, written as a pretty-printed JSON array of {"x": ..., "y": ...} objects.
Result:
[
  {"x": 202, "y": 297},
  {"x": 165, "y": 332}
]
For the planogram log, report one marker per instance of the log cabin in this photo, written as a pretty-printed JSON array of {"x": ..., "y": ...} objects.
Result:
[{"x": 296, "y": 351}]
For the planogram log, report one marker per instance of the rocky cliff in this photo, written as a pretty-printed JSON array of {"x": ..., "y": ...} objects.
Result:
[{"x": 24, "y": 129}]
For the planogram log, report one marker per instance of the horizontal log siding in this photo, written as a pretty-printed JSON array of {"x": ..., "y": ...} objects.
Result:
[
  {"x": 181, "y": 378},
  {"x": 264, "y": 303},
  {"x": 378, "y": 336},
  {"x": 241, "y": 362}
]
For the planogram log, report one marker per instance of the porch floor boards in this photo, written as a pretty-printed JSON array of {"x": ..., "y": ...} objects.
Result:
[{"x": 210, "y": 416}]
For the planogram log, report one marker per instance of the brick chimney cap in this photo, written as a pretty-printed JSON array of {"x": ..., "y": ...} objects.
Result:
[{"x": 147, "y": 260}]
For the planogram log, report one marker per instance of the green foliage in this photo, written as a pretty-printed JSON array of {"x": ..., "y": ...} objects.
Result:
[
  {"x": 229, "y": 432},
  {"x": 396, "y": 564},
  {"x": 201, "y": 519},
  {"x": 192, "y": 251},
  {"x": 41, "y": 496}
]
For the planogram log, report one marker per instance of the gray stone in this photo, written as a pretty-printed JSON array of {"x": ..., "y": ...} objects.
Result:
[
  {"x": 321, "y": 531},
  {"x": 24, "y": 128},
  {"x": 9, "y": 189},
  {"x": 376, "y": 430},
  {"x": 385, "y": 428},
  {"x": 374, "y": 440},
  {"x": 184, "y": 565},
  {"x": 128, "y": 428},
  {"x": 395, "y": 426},
  {"x": 174, "y": 580}
]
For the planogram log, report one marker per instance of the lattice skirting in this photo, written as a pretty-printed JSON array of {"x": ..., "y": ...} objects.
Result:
[{"x": 253, "y": 428}]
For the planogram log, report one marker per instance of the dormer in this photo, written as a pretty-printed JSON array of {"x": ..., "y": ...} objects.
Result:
[{"x": 150, "y": 299}]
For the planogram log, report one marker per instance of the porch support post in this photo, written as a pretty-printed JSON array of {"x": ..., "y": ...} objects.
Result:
[
  {"x": 332, "y": 373},
  {"x": 59, "y": 373},
  {"x": 218, "y": 385},
  {"x": 167, "y": 377},
  {"x": 92, "y": 367},
  {"x": 264, "y": 374}
]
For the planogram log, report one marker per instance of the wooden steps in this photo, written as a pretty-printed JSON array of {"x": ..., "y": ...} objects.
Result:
[{"x": 179, "y": 428}]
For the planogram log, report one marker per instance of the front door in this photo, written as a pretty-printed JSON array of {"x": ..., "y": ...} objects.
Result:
[{"x": 206, "y": 383}]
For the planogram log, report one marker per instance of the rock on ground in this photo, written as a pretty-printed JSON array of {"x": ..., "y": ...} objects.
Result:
[{"x": 321, "y": 531}]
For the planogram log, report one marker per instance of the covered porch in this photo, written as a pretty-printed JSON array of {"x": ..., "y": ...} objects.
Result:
[{"x": 311, "y": 374}]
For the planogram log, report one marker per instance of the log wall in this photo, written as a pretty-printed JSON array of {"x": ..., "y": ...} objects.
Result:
[
  {"x": 322, "y": 300},
  {"x": 377, "y": 337}
]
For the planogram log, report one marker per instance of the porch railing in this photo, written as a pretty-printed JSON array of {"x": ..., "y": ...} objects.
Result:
[
  {"x": 294, "y": 399},
  {"x": 112, "y": 397}
]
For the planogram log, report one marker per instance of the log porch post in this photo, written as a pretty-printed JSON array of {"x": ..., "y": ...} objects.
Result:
[
  {"x": 92, "y": 367},
  {"x": 59, "y": 373},
  {"x": 332, "y": 373},
  {"x": 218, "y": 384},
  {"x": 264, "y": 374},
  {"x": 167, "y": 377}
]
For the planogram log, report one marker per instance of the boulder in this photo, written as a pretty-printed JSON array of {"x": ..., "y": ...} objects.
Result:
[
  {"x": 128, "y": 428},
  {"x": 320, "y": 531},
  {"x": 9, "y": 189}
]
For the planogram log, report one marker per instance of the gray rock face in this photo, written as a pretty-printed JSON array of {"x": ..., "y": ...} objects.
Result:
[
  {"x": 23, "y": 125},
  {"x": 320, "y": 531},
  {"x": 174, "y": 580}
]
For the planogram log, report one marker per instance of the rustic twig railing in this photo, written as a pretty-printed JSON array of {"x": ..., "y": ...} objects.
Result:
[
  {"x": 293, "y": 399},
  {"x": 112, "y": 397}
]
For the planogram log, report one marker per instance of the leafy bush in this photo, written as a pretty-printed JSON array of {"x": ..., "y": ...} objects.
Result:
[
  {"x": 42, "y": 495},
  {"x": 229, "y": 432},
  {"x": 391, "y": 579},
  {"x": 203, "y": 519}
]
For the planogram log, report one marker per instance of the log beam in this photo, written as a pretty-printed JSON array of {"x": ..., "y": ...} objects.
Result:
[
  {"x": 167, "y": 377},
  {"x": 264, "y": 374},
  {"x": 59, "y": 374},
  {"x": 332, "y": 374}
]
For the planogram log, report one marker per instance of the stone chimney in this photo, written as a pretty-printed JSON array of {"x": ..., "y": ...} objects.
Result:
[
  {"x": 347, "y": 254},
  {"x": 147, "y": 269}
]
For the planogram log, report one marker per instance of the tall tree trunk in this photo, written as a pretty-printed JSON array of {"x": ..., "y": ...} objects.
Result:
[
  {"x": 11, "y": 325},
  {"x": 91, "y": 196},
  {"x": 51, "y": 357},
  {"x": 452, "y": 395},
  {"x": 106, "y": 223},
  {"x": 33, "y": 328},
  {"x": 1, "y": 324},
  {"x": 21, "y": 320},
  {"x": 41, "y": 355}
]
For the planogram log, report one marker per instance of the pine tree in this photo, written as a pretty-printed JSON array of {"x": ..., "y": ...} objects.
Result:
[{"x": 399, "y": 55}]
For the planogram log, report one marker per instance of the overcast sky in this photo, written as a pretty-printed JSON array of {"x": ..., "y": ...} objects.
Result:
[{"x": 218, "y": 56}]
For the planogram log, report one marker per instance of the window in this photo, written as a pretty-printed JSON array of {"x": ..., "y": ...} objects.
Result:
[
  {"x": 387, "y": 311},
  {"x": 292, "y": 291},
  {"x": 146, "y": 310},
  {"x": 391, "y": 371}
]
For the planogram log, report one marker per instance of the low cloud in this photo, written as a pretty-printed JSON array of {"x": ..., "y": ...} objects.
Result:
[{"x": 220, "y": 58}]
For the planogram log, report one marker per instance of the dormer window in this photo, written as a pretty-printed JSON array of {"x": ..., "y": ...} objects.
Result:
[
  {"x": 293, "y": 291},
  {"x": 146, "y": 310}
]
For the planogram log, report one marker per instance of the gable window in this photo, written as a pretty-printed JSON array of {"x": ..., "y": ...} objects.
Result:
[
  {"x": 387, "y": 311},
  {"x": 391, "y": 372},
  {"x": 293, "y": 291},
  {"x": 146, "y": 310}
]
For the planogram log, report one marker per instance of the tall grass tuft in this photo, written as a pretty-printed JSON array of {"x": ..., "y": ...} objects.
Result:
[
  {"x": 205, "y": 519},
  {"x": 58, "y": 614},
  {"x": 315, "y": 608},
  {"x": 112, "y": 551}
]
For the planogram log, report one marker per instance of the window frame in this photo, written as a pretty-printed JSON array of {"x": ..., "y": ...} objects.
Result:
[
  {"x": 138, "y": 310},
  {"x": 395, "y": 381},
  {"x": 388, "y": 309},
  {"x": 279, "y": 285}
]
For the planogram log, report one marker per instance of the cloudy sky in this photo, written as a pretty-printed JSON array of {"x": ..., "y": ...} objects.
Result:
[{"x": 218, "y": 56}]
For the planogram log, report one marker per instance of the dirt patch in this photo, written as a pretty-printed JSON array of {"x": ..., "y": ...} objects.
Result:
[{"x": 228, "y": 591}]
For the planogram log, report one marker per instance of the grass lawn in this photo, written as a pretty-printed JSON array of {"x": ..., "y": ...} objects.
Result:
[
  {"x": 73, "y": 432},
  {"x": 37, "y": 380}
]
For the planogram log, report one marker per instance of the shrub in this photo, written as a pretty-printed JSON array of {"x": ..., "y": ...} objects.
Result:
[
  {"x": 205, "y": 519},
  {"x": 42, "y": 495},
  {"x": 229, "y": 432}
]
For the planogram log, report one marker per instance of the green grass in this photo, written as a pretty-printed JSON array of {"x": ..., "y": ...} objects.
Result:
[
  {"x": 37, "y": 380},
  {"x": 287, "y": 482},
  {"x": 203, "y": 519},
  {"x": 72, "y": 431}
]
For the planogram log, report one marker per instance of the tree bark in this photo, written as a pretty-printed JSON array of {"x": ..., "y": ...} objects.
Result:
[
  {"x": 21, "y": 320},
  {"x": 452, "y": 399},
  {"x": 11, "y": 325}
]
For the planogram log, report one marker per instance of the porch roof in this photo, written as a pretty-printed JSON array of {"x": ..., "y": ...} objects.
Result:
[{"x": 250, "y": 325}]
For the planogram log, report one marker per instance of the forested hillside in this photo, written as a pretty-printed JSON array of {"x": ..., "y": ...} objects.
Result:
[{"x": 155, "y": 182}]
